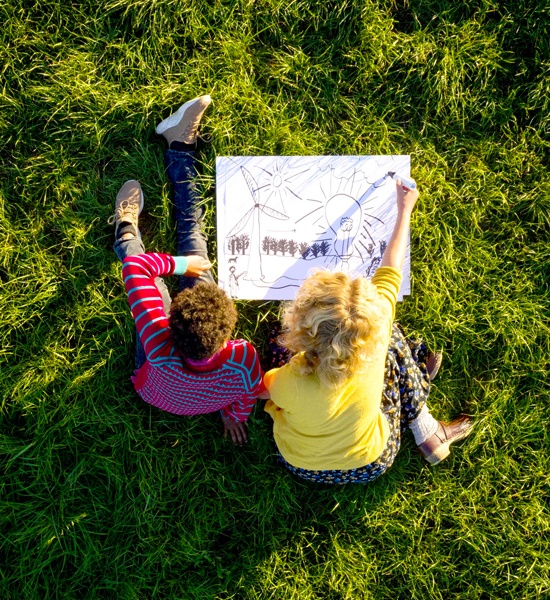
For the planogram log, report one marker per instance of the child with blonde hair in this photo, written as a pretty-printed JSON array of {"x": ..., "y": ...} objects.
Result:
[{"x": 355, "y": 383}]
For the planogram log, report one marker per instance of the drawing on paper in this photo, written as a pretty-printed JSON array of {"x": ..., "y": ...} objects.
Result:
[{"x": 279, "y": 217}]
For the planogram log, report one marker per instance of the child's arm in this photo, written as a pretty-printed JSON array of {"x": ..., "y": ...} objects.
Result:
[
  {"x": 244, "y": 358},
  {"x": 394, "y": 254},
  {"x": 139, "y": 273},
  {"x": 239, "y": 410}
]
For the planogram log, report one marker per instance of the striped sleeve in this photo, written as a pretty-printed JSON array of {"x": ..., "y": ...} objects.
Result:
[
  {"x": 145, "y": 301},
  {"x": 244, "y": 358}
]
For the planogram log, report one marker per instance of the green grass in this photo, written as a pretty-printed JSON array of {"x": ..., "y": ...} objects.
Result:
[{"x": 102, "y": 496}]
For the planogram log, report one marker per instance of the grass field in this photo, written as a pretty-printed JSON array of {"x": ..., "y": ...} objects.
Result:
[{"x": 102, "y": 496}]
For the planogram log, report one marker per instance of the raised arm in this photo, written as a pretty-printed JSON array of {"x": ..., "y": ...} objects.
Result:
[
  {"x": 394, "y": 254},
  {"x": 139, "y": 273}
]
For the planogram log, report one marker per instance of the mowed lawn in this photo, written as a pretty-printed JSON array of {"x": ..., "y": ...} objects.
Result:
[{"x": 103, "y": 496}]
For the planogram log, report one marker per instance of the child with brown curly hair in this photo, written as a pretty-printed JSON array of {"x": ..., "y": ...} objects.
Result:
[
  {"x": 355, "y": 383},
  {"x": 186, "y": 361}
]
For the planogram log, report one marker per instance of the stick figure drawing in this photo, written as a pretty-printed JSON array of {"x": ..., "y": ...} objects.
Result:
[{"x": 234, "y": 282}]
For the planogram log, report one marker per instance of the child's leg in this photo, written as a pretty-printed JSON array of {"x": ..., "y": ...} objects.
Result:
[
  {"x": 128, "y": 247},
  {"x": 407, "y": 384},
  {"x": 128, "y": 242},
  {"x": 180, "y": 132},
  {"x": 181, "y": 168},
  {"x": 131, "y": 247}
]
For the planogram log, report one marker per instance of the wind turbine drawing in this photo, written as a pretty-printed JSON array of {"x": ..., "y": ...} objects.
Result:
[{"x": 254, "y": 271}]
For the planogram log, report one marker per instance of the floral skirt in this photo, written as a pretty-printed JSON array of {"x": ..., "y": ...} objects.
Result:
[{"x": 406, "y": 388}]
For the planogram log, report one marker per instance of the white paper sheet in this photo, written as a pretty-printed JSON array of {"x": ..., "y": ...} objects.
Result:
[{"x": 278, "y": 217}]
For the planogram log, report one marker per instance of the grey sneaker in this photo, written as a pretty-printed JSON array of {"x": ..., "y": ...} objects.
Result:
[
  {"x": 182, "y": 125},
  {"x": 128, "y": 206}
]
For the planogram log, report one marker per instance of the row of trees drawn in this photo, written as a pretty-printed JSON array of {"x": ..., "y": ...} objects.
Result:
[
  {"x": 272, "y": 245},
  {"x": 369, "y": 271},
  {"x": 317, "y": 249},
  {"x": 238, "y": 244},
  {"x": 370, "y": 248},
  {"x": 376, "y": 260}
]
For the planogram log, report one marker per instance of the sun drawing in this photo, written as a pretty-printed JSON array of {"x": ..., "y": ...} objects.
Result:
[{"x": 276, "y": 185}]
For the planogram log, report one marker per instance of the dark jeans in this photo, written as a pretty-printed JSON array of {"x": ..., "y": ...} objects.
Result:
[{"x": 188, "y": 212}]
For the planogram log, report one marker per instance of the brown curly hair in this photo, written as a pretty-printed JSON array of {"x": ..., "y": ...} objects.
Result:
[{"x": 202, "y": 319}]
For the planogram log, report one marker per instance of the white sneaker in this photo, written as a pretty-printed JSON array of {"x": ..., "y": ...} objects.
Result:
[{"x": 182, "y": 125}]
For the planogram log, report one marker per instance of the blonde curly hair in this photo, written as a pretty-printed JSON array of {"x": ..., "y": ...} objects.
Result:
[{"x": 336, "y": 322}]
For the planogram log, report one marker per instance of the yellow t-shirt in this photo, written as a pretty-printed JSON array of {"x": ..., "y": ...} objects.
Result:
[{"x": 321, "y": 428}]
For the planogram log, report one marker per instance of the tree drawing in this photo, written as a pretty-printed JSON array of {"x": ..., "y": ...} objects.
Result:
[
  {"x": 267, "y": 244},
  {"x": 315, "y": 249},
  {"x": 282, "y": 246},
  {"x": 243, "y": 242},
  {"x": 274, "y": 245},
  {"x": 292, "y": 247},
  {"x": 383, "y": 246},
  {"x": 373, "y": 266},
  {"x": 232, "y": 244},
  {"x": 324, "y": 247},
  {"x": 303, "y": 249}
]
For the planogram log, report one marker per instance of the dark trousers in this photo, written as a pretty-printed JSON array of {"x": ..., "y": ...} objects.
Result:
[{"x": 188, "y": 210}]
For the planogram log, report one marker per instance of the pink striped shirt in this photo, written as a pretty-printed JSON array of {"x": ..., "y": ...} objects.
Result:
[{"x": 230, "y": 381}]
